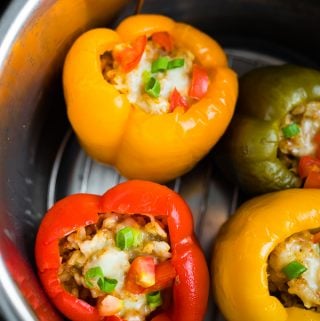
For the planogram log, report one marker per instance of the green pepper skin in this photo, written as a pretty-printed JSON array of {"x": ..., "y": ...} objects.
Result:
[{"x": 266, "y": 95}]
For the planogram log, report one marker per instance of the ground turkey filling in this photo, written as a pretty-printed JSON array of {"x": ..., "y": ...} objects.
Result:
[
  {"x": 91, "y": 259},
  {"x": 307, "y": 120},
  {"x": 133, "y": 83},
  {"x": 294, "y": 271}
]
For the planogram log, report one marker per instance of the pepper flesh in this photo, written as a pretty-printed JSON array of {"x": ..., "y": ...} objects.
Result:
[
  {"x": 241, "y": 280},
  {"x": 266, "y": 96},
  {"x": 190, "y": 293},
  {"x": 139, "y": 144}
]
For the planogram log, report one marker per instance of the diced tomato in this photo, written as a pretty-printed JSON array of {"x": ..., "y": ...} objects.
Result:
[
  {"x": 129, "y": 56},
  {"x": 312, "y": 180},
  {"x": 177, "y": 100},
  {"x": 110, "y": 305},
  {"x": 199, "y": 82},
  {"x": 164, "y": 276},
  {"x": 308, "y": 164},
  {"x": 141, "y": 273},
  {"x": 163, "y": 39}
]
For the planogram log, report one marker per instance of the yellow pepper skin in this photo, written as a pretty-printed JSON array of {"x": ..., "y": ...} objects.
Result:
[
  {"x": 242, "y": 247},
  {"x": 139, "y": 144}
]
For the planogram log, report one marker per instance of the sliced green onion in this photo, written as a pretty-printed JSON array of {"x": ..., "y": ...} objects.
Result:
[
  {"x": 152, "y": 87},
  {"x": 293, "y": 270},
  {"x": 154, "y": 299},
  {"x": 128, "y": 237},
  {"x": 124, "y": 238},
  {"x": 176, "y": 63},
  {"x": 291, "y": 130},
  {"x": 107, "y": 285},
  {"x": 146, "y": 75},
  {"x": 93, "y": 274},
  {"x": 161, "y": 64}
]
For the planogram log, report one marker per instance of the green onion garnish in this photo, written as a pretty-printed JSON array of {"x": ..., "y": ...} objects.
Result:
[
  {"x": 124, "y": 238},
  {"x": 161, "y": 64},
  {"x": 93, "y": 274},
  {"x": 128, "y": 237},
  {"x": 107, "y": 285},
  {"x": 146, "y": 75},
  {"x": 154, "y": 299},
  {"x": 176, "y": 63},
  {"x": 152, "y": 87},
  {"x": 293, "y": 270},
  {"x": 291, "y": 130}
]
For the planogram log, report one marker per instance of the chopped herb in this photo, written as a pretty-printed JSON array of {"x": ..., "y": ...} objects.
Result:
[
  {"x": 128, "y": 237},
  {"x": 293, "y": 270},
  {"x": 291, "y": 130},
  {"x": 176, "y": 63},
  {"x": 154, "y": 299},
  {"x": 152, "y": 87},
  {"x": 161, "y": 64},
  {"x": 107, "y": 285},
  {"x": 146, "y": 75},
  {"x": 93, "y": 274}
]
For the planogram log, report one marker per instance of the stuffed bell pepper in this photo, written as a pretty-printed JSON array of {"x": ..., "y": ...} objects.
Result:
[
  {"x": 151, "y": 97},
  {"x": 128, "y": 255},
  {"x": 266, "y": 259},
  {"x": 274, "y": 138}
]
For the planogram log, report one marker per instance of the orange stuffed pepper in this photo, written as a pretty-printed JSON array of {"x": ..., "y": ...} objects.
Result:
[{"x": 150, "y": 98}]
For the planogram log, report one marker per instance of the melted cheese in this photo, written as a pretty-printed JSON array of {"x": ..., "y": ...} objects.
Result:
[
  {"x": 132, "y": 83},
  {"x": 98, "y": 242},
  {"x": 298, "y": 247},
  {"x": 114, "y": 264}
]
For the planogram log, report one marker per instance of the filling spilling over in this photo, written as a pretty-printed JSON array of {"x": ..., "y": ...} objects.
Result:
[
  {"x": 155, "y": 74},
  {"x": 294, "y": 271},
  {"x": 121, "y": 265},
  {"x": 299, "y": 145}
]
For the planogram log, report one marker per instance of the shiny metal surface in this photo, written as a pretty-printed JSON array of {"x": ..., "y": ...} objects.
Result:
[
  {"x": 35, "y": 37},
  {"x": 35, "y": 170}
]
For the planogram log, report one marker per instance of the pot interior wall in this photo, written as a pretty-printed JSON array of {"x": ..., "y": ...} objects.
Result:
[{"x": 32, "y": 111}]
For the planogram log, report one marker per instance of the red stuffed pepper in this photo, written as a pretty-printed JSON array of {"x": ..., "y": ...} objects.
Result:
[{"x": 129, "y": 254}]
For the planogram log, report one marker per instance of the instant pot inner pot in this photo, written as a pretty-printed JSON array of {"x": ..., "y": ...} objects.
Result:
[{"x": 41, "y": 160}]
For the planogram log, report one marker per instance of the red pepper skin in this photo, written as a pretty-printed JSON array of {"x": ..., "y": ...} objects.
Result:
[
  {"x": 163, "y": 39},
  {"x": 165, "y": 273},
  {"x": 191, "y": 287},
  {"x": 129, "y": 57},
  {"x": 308, "y": 164},
  {"x": 177, "y": 100},
  {"x": 199, "y": 82},
  {"x": 312, "y": 180}
]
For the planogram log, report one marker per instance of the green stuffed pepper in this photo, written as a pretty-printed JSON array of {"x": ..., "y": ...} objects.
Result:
[{"x": 277, "y": 121}]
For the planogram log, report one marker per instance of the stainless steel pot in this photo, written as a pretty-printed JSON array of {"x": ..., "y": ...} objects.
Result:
[{"x": 40, "y": 159}]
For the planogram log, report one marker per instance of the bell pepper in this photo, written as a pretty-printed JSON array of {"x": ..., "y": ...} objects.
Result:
[
  {"x": 190, "y": 288},
  {"x": 242, "y": 248},
  {"x": 266, "y": 96},
  {"x": 142, "y": 145}
]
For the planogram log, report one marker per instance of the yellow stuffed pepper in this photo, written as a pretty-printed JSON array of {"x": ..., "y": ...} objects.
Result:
[
  {"x": 151, "y": 97},
  {"x": 266, "y": 259}
]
